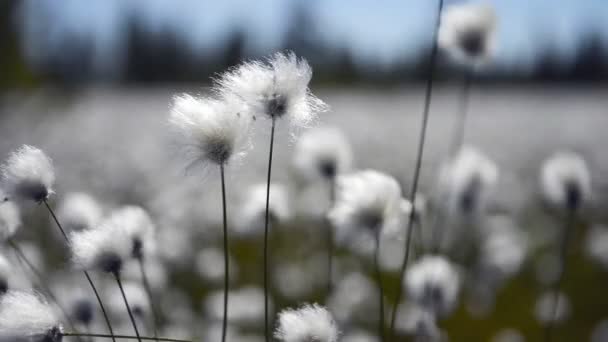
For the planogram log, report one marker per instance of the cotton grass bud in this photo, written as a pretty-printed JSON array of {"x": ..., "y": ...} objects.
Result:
[
  {"x": 105, "y": 247},
  {"x": 138, "y": 225},
  {"x": 308, "y": 323},
  {"x": 565, "y": 181},
  {"x": 322, "y": 153},
  {"x": 211, "y": 130},
  {"x": 275, "y": 88},
  {"x": 366, "y": 201},
  {"x": 79, "y": 211},
  {"x": 10, "y": 220},
  {"x": 467, "y": 32},
  {"x": 433, "y": 283},
  {"x": 27, "y": 315},
  {"x": 28, "y": 174}
]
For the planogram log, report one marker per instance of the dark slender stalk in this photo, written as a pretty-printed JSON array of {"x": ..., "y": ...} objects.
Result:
[
  {"x": 124, "y": 297},
  {"x": 226, "y": 259},
  {"x": 420, "y": 153},
  {"x": 330, "y": 237},
  {"x": 148, "y": 288},
  {"x": 144, "y": 338},
  {"x": 378, "y": 277},
  {"x": 465, "y": 95},
  {"x": 266, "y": 222},
  {"x": 556, "y": 288},
  {"x": 86, "y": 273}
]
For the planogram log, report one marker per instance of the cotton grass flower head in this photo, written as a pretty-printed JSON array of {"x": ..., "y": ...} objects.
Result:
[
  {"x": 211, "y": 130},
  {"x": 433, "y": 283},
  {"x": 322, "y": 154},
  {"x": 253, "y": 208},
  {"x": 138, "y": 225},
  {"x": 28, "y": 174},
  {"x": 468, "y": 33},
  {"x": 565, "y": 181},
  {"x": 366, "y": 201},
  {"x": 308, "y": 323},
  {"x": 105, "y": 247},
  {"x": 79, "y": 211},
  {"x": 275, "y": 88},
  {"x": 27, "y": 315},
  {"x": 10, "y": 220}
]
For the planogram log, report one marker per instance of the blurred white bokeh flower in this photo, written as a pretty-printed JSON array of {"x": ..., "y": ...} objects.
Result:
[
  {"x": 138, "y": 225},
  {"x": 10, "y": 220},
  {"x": 308, "y": 323},
  {"x": 545, "y": 306},
  {"x": 565, "y": 181},
  {"x": 250, "y": 218},
  {"x": 79, "y": 211}
]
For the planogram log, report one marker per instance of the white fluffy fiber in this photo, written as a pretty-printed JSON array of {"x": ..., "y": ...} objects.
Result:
[
  {"x": 138, "y": 225},
  {"x": 10, "y": 219},
  {"x": 137, "y": 297},
  {"x": 90, "y": 247},
  {"x": 23, "y": 314},
  {"x": 253, "y": 208},
  {"x": 27, "y": 167},
  {"x": 283, "y": 78},
  {"x": 79, "y": 211},
  {"x": 308, "y": 323},
  {"x": 560, "y": 170},
  {"x": 211, "y": 130}
]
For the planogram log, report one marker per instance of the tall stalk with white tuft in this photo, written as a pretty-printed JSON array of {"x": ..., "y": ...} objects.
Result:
[
  {"x": 367, "y": 202},
  {"x": 321, "y": 154},
  {"x": 217, "y": 132},
  {"x": 28, "y": 175},
  {"x": 274, "y": 89},
  {"x": 468, "y": 34},
  {"x": 566, "y": 185},
  {"x": 308, "y": 323}
]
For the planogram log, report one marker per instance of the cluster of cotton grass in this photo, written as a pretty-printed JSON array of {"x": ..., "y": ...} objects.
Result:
[{"x": 454, "y": 247}]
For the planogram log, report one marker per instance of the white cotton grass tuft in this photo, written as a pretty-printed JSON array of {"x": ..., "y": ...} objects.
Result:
[
  {"x": 211, "y": 130},
  {"x": 308, "y": 323},
  {"x": 275, "y": 88},
  {"x": 105, "y": 248},
  {"x": 28, "y": 174},
  {"x": 504, "y": 246},
  {"x": 138, "y": 225},
  {"x": 250, "y": 218},
  {"x": 78, "y": 211},
  {"x": 467, "y": 183},
  {"x": 468, "y": 33},
  {"x": 545, "y": 306},
  {"x": 321, "y": 154},
  {"x": 6, "y": 270},
  {"x": 433, "y": 283},
  {"x": 366, "y": 202},
  {"x": 137, "y": 297},
  {"x": 565, "y": 181},
  {"x": 25, "y": 314},
  {"x": 10, "y": 220}
]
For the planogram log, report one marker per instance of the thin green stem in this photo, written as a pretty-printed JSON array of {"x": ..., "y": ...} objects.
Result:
[
  {"x": 143, "y": 338},
  {"x": 148, "y": 289},
  {"x": 266, "y": 223},
  {"x": 226, "y": 258},
  {"x": 420, "y": 153},
  {"x": 86, "y": 273},
  {"x": 124, "y": 297}
]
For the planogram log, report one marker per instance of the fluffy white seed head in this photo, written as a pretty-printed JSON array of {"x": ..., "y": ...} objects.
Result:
[
  {"x": 565, "y": 181},
  {"x": 137, "y": 297},
  {"x": 504, "y": 247},
  {"x": 27, "y": 315},
  {"x": 138, "y": 225},
  {"x": 105, "y": 247},
  {"x": 322, "y": 153},
  {"x": 10, "y": 219},
  {"x": 79, "y": 211},
  {"x": 28, "y": 174},
  {"x": 253, "y": 210},
  {"x": 433, "y": 283},
  {"x": 275, "y": 88},
  {"x": 366, "y": 201},
  {"x": 211, "y": 130},
  {"x": 467, "y": 183},
  {"x": 308, "y": 323},
  {"x": 467, "y": 33}
]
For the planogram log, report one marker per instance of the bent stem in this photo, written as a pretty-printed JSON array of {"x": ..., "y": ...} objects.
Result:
[
  {"x": 420, "y": 153},
  {"x": 556, "y": 288},
  {"x": 380, "y": 287},
  {"x": 266, "y": 222},
  {"x": 86, "y": 273},
  {"x": 148, "y": 289},
  {"x": 124, "y": 297},
  {"x": 226, "y": 258},
  {"x": 144, "y": 338}
]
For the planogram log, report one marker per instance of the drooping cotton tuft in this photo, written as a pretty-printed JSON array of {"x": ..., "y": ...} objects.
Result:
[
  {"x": 308, "y": 323},
  {"x": 27, "y": 315},
  {"x": 105, "y": 247},
  {"x": 79, "y": 211},
  {"x": 565, "y": 181},
  {"x": 10, "y": 220},
  {"x": 275, "y": 88},
  {"x": 211, "y": 130},
  {"x": 433, "y": 283},
  {"x": 366, "y": 201},
  {"x": 138, "y": 225},
  {"x": 28, "y": 174},
  {"x": 467, "y": 33},
  {"x": 322, "y": 153}
]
